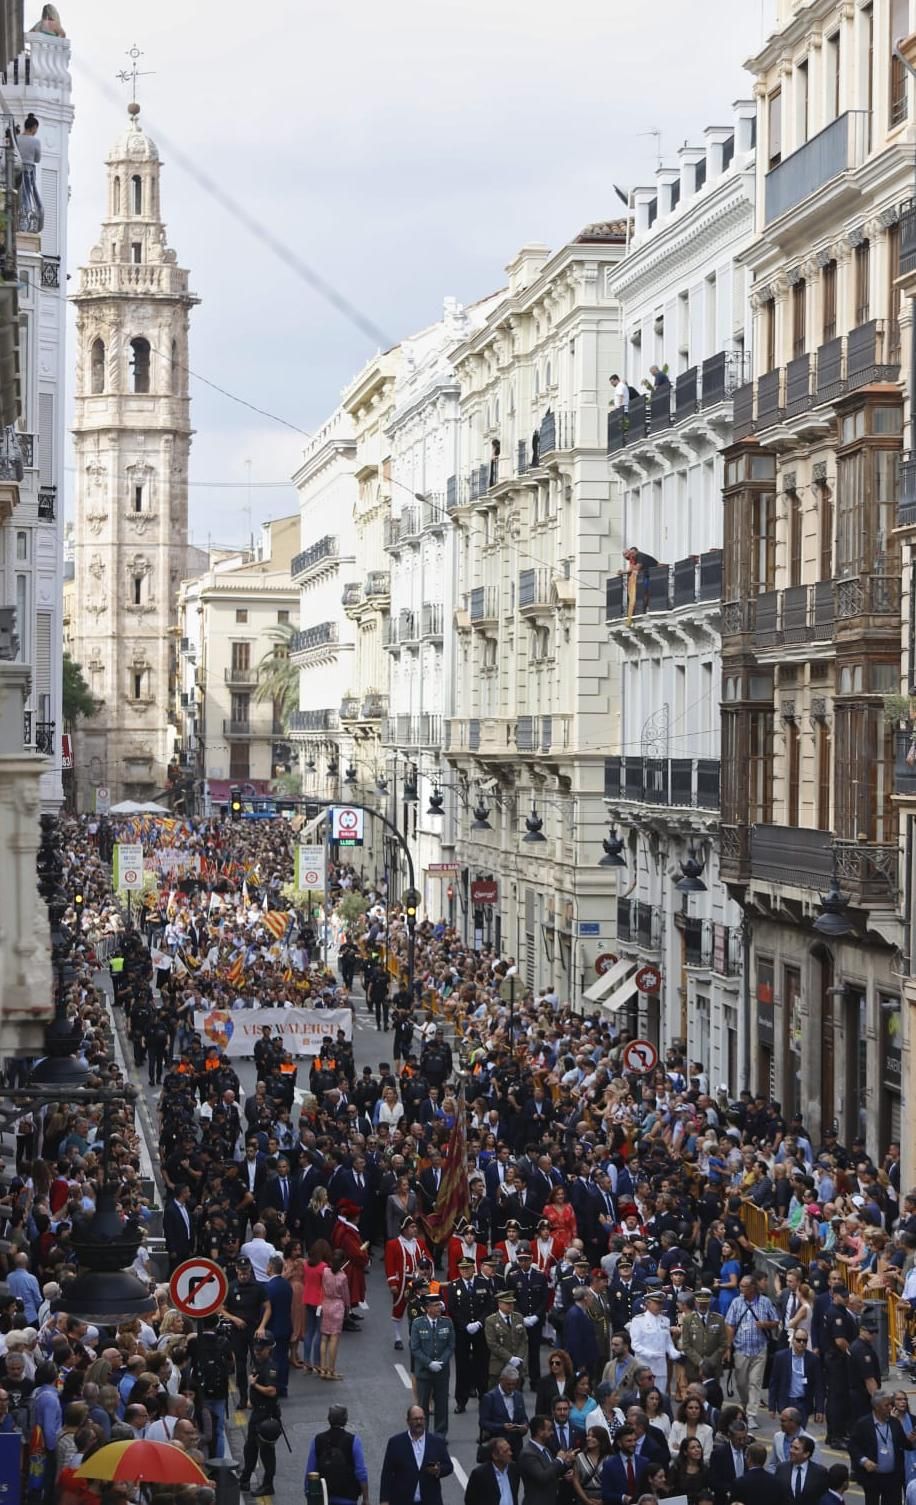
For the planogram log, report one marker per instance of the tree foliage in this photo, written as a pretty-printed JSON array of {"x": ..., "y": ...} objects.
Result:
[
  {"x": 78, "y": 699},
  {"x": 278, "y": 677}
]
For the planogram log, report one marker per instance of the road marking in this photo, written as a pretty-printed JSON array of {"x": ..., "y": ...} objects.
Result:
[
  {"x": 459, "y": 1473},
  {"x": 406, "y": 1381}
]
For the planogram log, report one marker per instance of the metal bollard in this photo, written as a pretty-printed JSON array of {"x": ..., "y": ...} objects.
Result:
[{"x": 225, "y": 1475}]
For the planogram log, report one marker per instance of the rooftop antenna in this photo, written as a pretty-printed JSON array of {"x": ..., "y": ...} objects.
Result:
[
  {"x": 658, "y": 142},
  {"x": 248, "y": 510},
  {"x": 130, "y": 75}
]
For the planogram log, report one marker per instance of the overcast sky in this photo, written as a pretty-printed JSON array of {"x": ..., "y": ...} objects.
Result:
[{"x": 404, "y": 151}]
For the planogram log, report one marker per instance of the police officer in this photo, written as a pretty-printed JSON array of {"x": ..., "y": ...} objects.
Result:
[
  {"x": 244, "y": 1308},
  {"x": 483, "y": 1290},
  {"x": 432, "y": 1344},
  {"x": 461, "y": 1310},
  {"x": 264, "y": 1426},
  {"x": 864, "y": 1370},
  {"x": 838, "y": 1333},
  {"x": 531, "y": 1292}
]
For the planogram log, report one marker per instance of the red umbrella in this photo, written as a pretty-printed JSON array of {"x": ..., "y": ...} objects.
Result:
[{"x": 141, "y": 1462}]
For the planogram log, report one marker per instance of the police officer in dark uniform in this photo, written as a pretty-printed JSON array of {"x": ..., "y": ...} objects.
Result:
[
  {"x": 624, "y": 1293},
  {"x": 264, "y": 1426},
  {"x": 244, "y": 1308},
  {"x": 530, "y": 1288},
  {"x": 460, "y": 1307},
  {"x": 483, "y": 1289},
  {"x": 839, "y": 1332},
  {"x": 864, "y": 1370}
]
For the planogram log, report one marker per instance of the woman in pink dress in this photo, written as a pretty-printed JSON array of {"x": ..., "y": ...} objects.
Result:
[
  {"x": 335, "y": 1303},
  {"x": 312, "y": 1270},
  {"x": 562, "y": 1219},
  {"x": 293, "y": 1271}
]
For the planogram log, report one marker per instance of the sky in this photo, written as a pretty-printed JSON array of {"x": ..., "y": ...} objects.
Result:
[{"x": 404, "y": 152}]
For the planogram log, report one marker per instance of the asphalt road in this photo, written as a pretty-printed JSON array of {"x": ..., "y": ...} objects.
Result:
[{"x": 376, "y": 1388}]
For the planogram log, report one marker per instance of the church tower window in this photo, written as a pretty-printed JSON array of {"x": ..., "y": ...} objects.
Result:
[
  {"x": 136, "y": 252},
  {"x": 116, "y": 196},
  {"x": 97, "y": 362},
  {"x": 140, "y": 364},
  {"x": 137, "y": 589},
  {"x": 173, "y": 373},
  {"x": 136, "y": 184},
  {"x": 138, "y": 498}
]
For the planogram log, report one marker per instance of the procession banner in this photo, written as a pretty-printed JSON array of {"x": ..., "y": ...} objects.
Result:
[
  {"x": 237, "y": 1031},
  {"x": 172, "y": 861}
]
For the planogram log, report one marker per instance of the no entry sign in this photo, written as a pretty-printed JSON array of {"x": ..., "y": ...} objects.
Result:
[{"x": 198, "y": 1288}]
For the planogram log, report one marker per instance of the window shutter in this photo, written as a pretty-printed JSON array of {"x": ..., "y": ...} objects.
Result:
[
  {"x": 46, "y": 438},
  {"x": 42, "y": 662},
  {"x": 50, "y": 235}
]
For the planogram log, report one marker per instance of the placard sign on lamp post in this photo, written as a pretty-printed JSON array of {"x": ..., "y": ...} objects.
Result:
[{"x": 347, "y": 824}]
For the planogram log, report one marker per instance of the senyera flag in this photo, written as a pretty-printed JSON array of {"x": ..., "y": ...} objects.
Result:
[{"x": 452, "y": 1201}]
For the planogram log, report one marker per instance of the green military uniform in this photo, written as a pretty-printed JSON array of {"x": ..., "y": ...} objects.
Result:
[
  {"x": 264, "y": 1382},
  {"x": 507, "y": 1339},
  {"x": 703, "y": 1338},
  {"x": 432, "y": 1344}
]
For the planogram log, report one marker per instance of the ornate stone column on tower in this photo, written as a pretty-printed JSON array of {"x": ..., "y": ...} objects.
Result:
[{"x": 132, "y": 437}]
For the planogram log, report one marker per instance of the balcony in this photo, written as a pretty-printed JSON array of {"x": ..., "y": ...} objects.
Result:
[
  {"x": 786, "y": 618},
  {"x": 434, "y": 512},
  {"x": 688, "y": 582},
  {"x": 868, "y": 871},
  {"x": 793, "y": 855},
  {"x": 534, "y": 734},
  {"x": 352, "y": 596},
  {"x": 557, "y": 432},
  {"x": 451, "y": 493},
  {"x": 521, "y": 458},
  {"x": 743, "y": 420},
  {"x": 698, "y": 390},
  {"x": 409, "y": 628},
  {"x": 835, "y": 151},
  {"x": 374, "y": 707},
  {"x": 769, "y": 388},
  {"x": 535, "y": 593},
  {"x": 239, "y": 678},
  {"x": 712, "y": 947},
  {"x": 44, "y": 738},
  {"x": 313, "y": 721},
  {"x": 616, "y": 430},
  {"x": 686, "y": 394},
  {"x": 660, "y": 413},
  {"x": 349, "y": 708},
  {"x": 670, "y": 782},
  {"x": 432, "y": 620},
  {"x": 799, "y": 385},
  {"x": 12, "y": 467},
  {"x": 377, "y": 588},
  {"x": 483, "y": 606},
  {"x": 233, "y": 727},
  {"x": 906, "y": 492},
  {"x": 311, "y": 639},
  {"x": 721, "y": 376},
  {"x": 403, "y": 529},
  {"x": 47, "y": 504},
  {"x": 304, "y": 564},
  {"x": 868, "y": 596},
  {"x": 638, "y": 924}
]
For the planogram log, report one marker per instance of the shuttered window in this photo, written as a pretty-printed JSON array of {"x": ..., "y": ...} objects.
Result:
[
  {"x": 46, "y": 438},
  {"x": 41, "y": 665},
  {"x": 50, "y": 235}
]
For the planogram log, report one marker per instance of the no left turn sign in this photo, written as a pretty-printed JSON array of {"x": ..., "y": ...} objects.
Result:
[{"x": 198, "y": 1288}]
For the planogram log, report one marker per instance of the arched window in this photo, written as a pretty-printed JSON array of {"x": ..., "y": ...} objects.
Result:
[
  {"x": 136, "y": 184},
  {"x": 547, "y": 376},
  {"x": 139, "y": 364},
  {"x": 174, "y": 373},
  {"x": 97, "y": 364},
  {"x": 116, "y": 196}
]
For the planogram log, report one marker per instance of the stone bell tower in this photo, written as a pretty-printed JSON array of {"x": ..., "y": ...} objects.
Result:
[{"x": 132, "y": 436}]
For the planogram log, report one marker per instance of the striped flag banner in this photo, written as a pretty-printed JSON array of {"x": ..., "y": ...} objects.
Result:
[
  {"x": 452, "y": 1201},
  {"x": 277, "y": 922}
]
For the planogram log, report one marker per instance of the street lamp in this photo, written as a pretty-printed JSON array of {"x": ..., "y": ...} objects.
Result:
[
  {"x": 481, "y": 821},
  {"x": 614, "y": 847},
  {"x": 834, "y": 921},
  {"x": 690, "y": 882},
  {"x": 534, "y": 828},
  {"x": 436, "y": 802}
]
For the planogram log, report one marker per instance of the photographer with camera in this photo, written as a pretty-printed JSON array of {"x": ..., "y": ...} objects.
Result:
[{"x": 212, "y": 1362}]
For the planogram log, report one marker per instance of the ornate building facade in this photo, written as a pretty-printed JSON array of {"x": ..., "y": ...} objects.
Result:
[{"x": 132, "y": 437}]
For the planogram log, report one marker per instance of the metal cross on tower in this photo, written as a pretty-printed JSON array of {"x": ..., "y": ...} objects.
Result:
[{"x": 131, "y": 74}]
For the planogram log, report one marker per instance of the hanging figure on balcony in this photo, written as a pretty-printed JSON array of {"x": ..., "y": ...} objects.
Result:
[
  {"x": 31, "y": 212},
  {"x": 638, "y": 583},
  {"x": 495, "y": 448}
]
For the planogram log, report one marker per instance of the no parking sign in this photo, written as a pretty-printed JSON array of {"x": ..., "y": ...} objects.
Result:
[
  {"x": 310, "y": 874},
  {"x": 347, "y": 825}
]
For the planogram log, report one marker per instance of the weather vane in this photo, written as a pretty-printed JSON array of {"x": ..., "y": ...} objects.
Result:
[{"x": 130, "y": 75}]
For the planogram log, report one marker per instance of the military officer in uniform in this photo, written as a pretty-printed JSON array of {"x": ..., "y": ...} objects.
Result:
[
  {"x": 838, "y": 1333},
  {"x": 531, "y": 1291},
  {"x": 432, "y": 1344},
  {"x": 244, "y": 1308},
  {"x": 624, "y": 1293},
  {"x": 461, "y": 1310},
  {"x": 484, "y": 1288},
  {"x": 703, "y": 1337},
  {"x": 264, "y": 1426},
  {"x": 507, "y": 1339}
]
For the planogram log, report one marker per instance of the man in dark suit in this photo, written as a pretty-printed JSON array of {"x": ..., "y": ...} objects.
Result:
[
  {"x": 483, "y": 1486},
  {"x": 624, "y": 1476},
  {"x": 459, "y": 1303},
  {"x": 563, "y": 1438},
  {"x": 728, "y": 1462},
  {"x": 502, "y": 1411},
  {"x": 280, "y": 1190},
  {"x": 838, "y": 1482},
  {"x": 415, "y": 1459},
  {"x": 757, "y": 1486},
  {"x": 178, "y": 1227},
  {"x": 796, "y": 1379},
  {"x": 540, "y": 1471},
  {"x": 876, "y": 1447},
  {"x": 805, "y": 1480}
]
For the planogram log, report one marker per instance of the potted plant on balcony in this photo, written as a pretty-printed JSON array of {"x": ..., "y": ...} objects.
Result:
[{"x": 900, "y": 710}]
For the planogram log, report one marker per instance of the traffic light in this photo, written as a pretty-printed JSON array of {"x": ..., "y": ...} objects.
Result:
[
  {"x": 235, "y": 803},
  {"x": 411, "y": 903},
  {"x": 78, "y": 906}
]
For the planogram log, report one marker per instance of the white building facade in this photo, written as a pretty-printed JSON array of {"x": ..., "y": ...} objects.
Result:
[
  {"x": 684, "y": 307},
  {"x": 132, "y": 438},
  {"x": 534, "y": 698},
  {"x": 32, "y": 456}
]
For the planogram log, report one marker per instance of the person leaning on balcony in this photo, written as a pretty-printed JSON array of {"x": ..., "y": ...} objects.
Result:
[
  {"x": 622, "y": 393},
  {"x": 639, "y": 565}
]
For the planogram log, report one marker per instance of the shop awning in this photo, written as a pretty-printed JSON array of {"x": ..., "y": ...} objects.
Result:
[{"x": 605, "y": 986}]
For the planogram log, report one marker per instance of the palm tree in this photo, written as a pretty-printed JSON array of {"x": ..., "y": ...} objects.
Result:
[{"x": 278, "y": 677}]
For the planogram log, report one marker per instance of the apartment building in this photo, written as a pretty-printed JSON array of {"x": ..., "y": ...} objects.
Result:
[
  {"x": 535, "y": 692},
  {"x": 234, "y": 618},
  {"x": 811, "y": 616},
  {"x": 684, "y": 309}
]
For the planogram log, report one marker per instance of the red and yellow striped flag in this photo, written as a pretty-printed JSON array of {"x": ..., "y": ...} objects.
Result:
[
  {"x": 236, "y": 971},
  {"x": 452, "y": 1200},
  {"x": 277, "y": 923}
]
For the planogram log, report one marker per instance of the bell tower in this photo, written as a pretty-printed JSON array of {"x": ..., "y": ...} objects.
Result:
[{"x": 132, "y": 437}]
